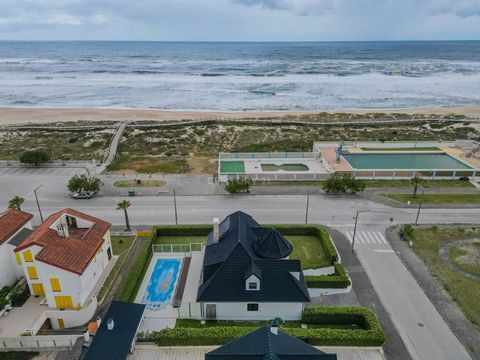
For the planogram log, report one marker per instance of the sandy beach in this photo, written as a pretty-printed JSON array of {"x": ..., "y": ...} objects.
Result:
[{"x": 11, "y": 116}]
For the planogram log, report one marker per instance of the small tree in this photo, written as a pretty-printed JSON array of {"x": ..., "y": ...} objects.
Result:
[
  {"x": 338, "y": 184},
  {"x": 84, "y": 183},
  {"x": 34, "y": 157},
  {"x": 239, "y": 185},
  {"x": 16, "y": 202},
  {"x": 124, "y": 205}
]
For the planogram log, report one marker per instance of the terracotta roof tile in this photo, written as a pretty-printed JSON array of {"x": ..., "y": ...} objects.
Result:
[
  {"x": 11, "y": 221},
  {"x": 73, "y": 253}
]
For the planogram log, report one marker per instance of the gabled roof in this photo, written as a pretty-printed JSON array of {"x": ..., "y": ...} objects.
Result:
[
  {"x": 229, "y": 262},
  {"x": 72, "y": 253},
  {"x": 115, "y": 344},
  {"x": 11, "y": 221},
  {"x": 263, "y": 344},
  {"x": 272, "y": 245}
]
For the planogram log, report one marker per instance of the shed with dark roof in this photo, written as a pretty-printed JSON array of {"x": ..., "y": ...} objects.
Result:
[{"x": 118, "y": 342}]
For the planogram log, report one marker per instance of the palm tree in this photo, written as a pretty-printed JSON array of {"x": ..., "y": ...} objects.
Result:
[
  {"x": 16, "y": 202},
  {"x": 124, "y": 205}
]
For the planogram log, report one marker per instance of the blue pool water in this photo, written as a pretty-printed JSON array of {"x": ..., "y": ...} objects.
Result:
[{"x": 161, "y": 287}]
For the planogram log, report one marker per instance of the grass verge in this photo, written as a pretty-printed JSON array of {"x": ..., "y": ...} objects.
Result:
[
  {"x": 437, "y": 198},
  {"x": 463, "y": 290},
  {"x": 308, "y": 249},
  {"x": 139, "y": 183}
]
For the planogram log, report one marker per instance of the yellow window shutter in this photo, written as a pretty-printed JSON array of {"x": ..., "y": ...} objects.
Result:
[
  {"x": 32, "y": 272},
  {"x": 61, "y": 324},
  {"x": 38, "y": 289},
  {"x": 27, "y": 255},
  {"x": 19, "y": 259},
  {"x": 55, "y": 284},
  {"x": 63, "y": 302}
]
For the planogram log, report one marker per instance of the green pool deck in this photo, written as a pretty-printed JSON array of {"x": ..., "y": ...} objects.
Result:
[{"x": 411, "y": 161}]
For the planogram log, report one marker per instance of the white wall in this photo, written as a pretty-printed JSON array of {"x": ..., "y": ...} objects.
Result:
[
  {"x": 266, "y": 311},
  {"x": 10, "y": 271}
]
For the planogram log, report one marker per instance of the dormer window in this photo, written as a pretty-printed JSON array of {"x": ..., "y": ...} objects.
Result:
[{"x": 252, "y": 283}]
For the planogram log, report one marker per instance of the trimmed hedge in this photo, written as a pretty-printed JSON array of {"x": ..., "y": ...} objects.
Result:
[
  {"x": 369, "y": 332},
  {"x": 339, "y": 280},
  {"x": 311, "y": 230},
  {"x": 182, "y": 230}
]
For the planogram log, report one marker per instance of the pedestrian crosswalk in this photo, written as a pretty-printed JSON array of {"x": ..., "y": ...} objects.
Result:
[{"x": 367, "y": 237}]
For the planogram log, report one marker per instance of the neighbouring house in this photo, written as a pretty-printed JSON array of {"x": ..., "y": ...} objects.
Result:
[
  {"x": 117, "y": 333},
  {"x": 268, "y": 343},
  {"x": 15, "y": 227},
  {"x": 247, "y": 274},
  {"x": 63, "y": 260}
]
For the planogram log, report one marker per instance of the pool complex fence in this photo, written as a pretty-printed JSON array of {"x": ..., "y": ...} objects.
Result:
[
  {"x": 178, "y": 248},
  {"x": 467, "y": 144}
]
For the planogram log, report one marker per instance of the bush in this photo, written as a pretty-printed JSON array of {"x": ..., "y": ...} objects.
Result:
[
  {"x": 408, "y": 230},
  {"x": 84, "y": 183},
  {"x": 239, "y": 185},
  {"x": 343, "y": 183},
  {"x": 339, "y": 280},
  {"x": 464, "y": 178},
  {"x": 368, "y": 331},
  {"x": 34, "y": 157}
]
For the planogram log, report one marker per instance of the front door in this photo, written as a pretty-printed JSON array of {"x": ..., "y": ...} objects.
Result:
[
  {"x": 109, "y": 253},
  {"x": 211, "y": 311}
]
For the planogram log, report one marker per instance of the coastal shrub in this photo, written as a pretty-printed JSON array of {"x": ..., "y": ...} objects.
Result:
[
  {"x": 367, "y": 331},
  {"x": 239, "y": 185},
  {"x": 343, "y": 183},
  {"x": 339, "y": 280},
  {"x": 34, "y": 157}
]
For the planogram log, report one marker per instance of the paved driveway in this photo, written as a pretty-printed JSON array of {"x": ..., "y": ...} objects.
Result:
[{"x": 145, "y": 352}]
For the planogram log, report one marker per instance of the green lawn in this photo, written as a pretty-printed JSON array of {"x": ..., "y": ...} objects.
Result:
[
  {"x": 437, "y": 198},
  {"x": 464, "y": 291},
  {"x": 142, "y": 183},
  {"x": 121, "y": 243},
  {"x": 308, "y": 250},
  {"x": 403, "y": 149},
  {"x": 407, "y": 183},
  {"x": 18, "y": 355}
]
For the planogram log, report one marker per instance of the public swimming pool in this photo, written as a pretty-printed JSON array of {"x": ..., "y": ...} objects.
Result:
[
  {"x": 161, "y": 286},
  {"x": 405, "y": 161}
]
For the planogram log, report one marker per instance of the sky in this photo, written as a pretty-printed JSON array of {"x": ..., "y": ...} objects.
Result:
[{"x": 240, "y": 20}]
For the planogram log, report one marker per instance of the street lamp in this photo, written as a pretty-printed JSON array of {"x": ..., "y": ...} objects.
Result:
[
  {"x": 38, "y": 204},
  {"x": 355, "y": 227},
  {"x": 306, "y": 211},
  {"x": 175, "y": 205},
  {"x": 419, "y": 207}
]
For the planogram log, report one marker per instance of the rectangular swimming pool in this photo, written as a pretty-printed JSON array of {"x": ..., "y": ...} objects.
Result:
[
  {"x": 161, "y": 286},
  {"x": 404, "y": 161}
]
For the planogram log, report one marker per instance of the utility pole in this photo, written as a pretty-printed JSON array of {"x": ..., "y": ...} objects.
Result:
[
  {"x": 175, "y": 204},
  {"x": 419, "y": 207},
  {"x": 38, "y": 204},
  {"x": 355, "y": 227},
  {"x": 306, "y": 211}
]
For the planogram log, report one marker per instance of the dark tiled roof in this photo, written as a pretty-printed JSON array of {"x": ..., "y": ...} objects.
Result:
[
  {"x": 236, "y": 260},
  {"x": 115, "y": 344},
  {"x": 272, "y": 245},
  {"x": 20, "y": 237},
  {"x": 11, "y": 221},
  {"x": 262, "y": 344},
  {"x": 73, "y": 253}
]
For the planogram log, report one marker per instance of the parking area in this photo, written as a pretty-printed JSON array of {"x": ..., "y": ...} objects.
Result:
[{"x": 46, "y": 171}]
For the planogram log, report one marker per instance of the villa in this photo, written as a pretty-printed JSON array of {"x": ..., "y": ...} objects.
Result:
[
  {"x": 15, "y": 226},
  {"x": 247, "y": 275},
  {"x": 63, "y": 261}
]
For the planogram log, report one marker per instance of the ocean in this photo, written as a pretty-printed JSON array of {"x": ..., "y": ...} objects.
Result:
[{"x": 239, "y": 76}]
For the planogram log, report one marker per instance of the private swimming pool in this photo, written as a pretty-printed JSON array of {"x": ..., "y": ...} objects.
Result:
[
  {"x": 161, "y": 286},
  {"x": 405, "y": 161}
]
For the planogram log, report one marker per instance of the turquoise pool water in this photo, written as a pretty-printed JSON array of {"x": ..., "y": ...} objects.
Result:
[
  {"x": 162, "y": 283},
  {"x": 404, "y": 161}
]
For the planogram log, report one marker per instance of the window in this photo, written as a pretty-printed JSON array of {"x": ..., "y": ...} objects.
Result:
[
  {"x": 38, "y": 290},
  {"x": 55, "y": 283},
  {"x": 32, "y": 272},
  {"x": 27, "y": 255},
  {"x": 19, "y": 259},
  {"x": 61, "y": 324},
  {"x": 252, "y": 307},
  {"x": 64, "y": 302},
  {"x": 252, "y": 286}
]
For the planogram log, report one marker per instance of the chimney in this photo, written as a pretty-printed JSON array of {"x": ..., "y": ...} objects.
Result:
[
  {"x": 99, "y": 321},
  {"x": 110, "y": 324},
  {"x": 274, "y": 329},
  {"x": 216, "y": 230}
]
